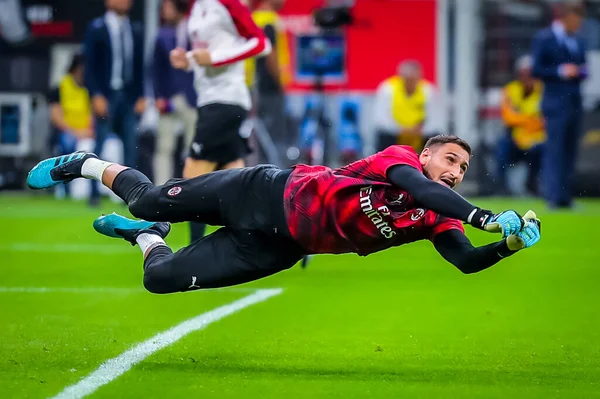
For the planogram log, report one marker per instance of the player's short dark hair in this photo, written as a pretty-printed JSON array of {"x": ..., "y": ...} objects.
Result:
[{"x": 442, "y": 139}]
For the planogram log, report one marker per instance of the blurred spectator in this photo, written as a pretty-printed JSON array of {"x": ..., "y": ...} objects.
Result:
[
  {"x": 406, "y": 108},
  {"x": 522, "y": 116},
  {"x": 173, "y": 88},
  {"x": 114, "y": 58},
  {"x": 70, "y": 111},
  {"x": 559, "y": 61},
  {"x": 270, "y": 74}
]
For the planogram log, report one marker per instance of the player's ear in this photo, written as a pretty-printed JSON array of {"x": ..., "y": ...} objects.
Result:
[{"x": 425, "y": 156}]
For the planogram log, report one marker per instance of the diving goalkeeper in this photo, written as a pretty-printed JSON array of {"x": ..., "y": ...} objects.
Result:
[{"x": 271, "y": 217}]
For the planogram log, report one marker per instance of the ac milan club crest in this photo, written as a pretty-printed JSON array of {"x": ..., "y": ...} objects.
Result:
[
  {"x": 417, "y": 214},
  {"x": 173, "y": 191}
]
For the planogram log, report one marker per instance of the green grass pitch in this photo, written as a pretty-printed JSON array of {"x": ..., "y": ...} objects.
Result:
[{"x": 398, "y": 324}]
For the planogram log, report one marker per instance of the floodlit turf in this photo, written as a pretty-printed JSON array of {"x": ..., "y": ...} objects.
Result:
[{"x": 399, "y": 324}]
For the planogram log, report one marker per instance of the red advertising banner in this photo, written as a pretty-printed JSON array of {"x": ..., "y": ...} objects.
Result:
[{"x": 384, "y": 33}]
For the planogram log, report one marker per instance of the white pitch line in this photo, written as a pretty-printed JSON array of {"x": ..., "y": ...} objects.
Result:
[{"x": 117, "y": 366}]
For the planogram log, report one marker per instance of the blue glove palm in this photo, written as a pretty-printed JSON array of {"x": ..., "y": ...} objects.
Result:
[
  {"x": 507, "y": 222},
  {"x": 528, "y": 236}
]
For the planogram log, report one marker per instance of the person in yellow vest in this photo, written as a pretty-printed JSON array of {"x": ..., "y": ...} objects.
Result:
[
  {"x": 407, "y": 109},
  {"x": 268, "y": 76},
  {"x": 525, "y": 132},
  {"x": 70, "y": 110}
]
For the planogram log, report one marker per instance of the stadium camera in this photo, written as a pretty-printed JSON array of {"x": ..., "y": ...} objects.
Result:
[{"x": 333, "y": 17}]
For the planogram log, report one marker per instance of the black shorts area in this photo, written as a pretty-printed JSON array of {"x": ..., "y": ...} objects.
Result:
[
  {"x": 254, "y": 241},
  {"x": 248, "y": 198},
  {"x": 218, "y": 136}
]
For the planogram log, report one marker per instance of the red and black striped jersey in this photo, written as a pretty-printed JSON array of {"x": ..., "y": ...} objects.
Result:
[{"x": 356, "y": 208}]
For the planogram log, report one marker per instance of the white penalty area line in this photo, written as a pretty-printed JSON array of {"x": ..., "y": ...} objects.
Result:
[{"x": 115, "y": 367}]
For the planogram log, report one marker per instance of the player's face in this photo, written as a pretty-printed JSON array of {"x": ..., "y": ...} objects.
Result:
[{"x": 445, "y": 164}]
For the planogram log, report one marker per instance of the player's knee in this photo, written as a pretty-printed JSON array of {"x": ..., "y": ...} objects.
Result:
[
  {"x": 158, "y": 271},
  {"x": 157, "y": 280},
  {"x": 145, "y": 207},
  {"x": 155, "y": 286},
  {"x": 138, "y": 209}
]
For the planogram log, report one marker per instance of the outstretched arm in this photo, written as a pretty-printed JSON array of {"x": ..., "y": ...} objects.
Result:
[
  {"x": 437, "y": 197},
  {"x": 457, "y": 249}
]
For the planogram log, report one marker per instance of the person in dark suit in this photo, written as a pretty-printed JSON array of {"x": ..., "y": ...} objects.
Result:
[
  {"x": 114, "y": 76},
  {"x": 559, "y": 61}
]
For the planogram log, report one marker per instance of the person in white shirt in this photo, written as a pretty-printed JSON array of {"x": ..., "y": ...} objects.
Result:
[
  {"x": 407, "y": 110},
  {"x": 223, "y": 35}
]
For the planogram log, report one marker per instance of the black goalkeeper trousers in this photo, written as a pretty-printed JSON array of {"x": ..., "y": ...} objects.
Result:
[{"x": 253, "y": 242}]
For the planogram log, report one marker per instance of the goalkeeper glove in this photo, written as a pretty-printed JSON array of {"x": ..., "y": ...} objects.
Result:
[
  {"x": 528, "y": 236},
  {"x": 507, "y": 222}
]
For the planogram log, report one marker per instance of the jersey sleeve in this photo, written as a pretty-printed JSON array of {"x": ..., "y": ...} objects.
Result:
[
  {"x": 445, "y": 224},
  {"x": 392, "y": 156},
  {"x": 254, "y": 44}
]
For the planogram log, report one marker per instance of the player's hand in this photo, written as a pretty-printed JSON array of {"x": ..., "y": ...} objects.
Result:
[
  {"x": 507, "y": 222},
  {"x": 202, "y": 57},
  {"x": 100, "y": 105},
  {"x": 528, "y": 236},
  {"x": 179, "y": 59}
]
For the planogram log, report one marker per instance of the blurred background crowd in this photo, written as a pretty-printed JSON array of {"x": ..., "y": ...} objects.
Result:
[{"x": 518, "y": 79}]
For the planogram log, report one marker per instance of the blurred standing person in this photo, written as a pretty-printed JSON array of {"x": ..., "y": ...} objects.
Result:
[
  {"x": 559, "y": 61},
  {"x": 173, "y": 88},
  {"x": 271, "y": 74},
  {"x": 522, "y": 116},
  {"x": 223, "y": 36},
  {"x": 70, "y": 111},
  {"x": 406, "y": 108},
  {"x": 114, "y": 58}
]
